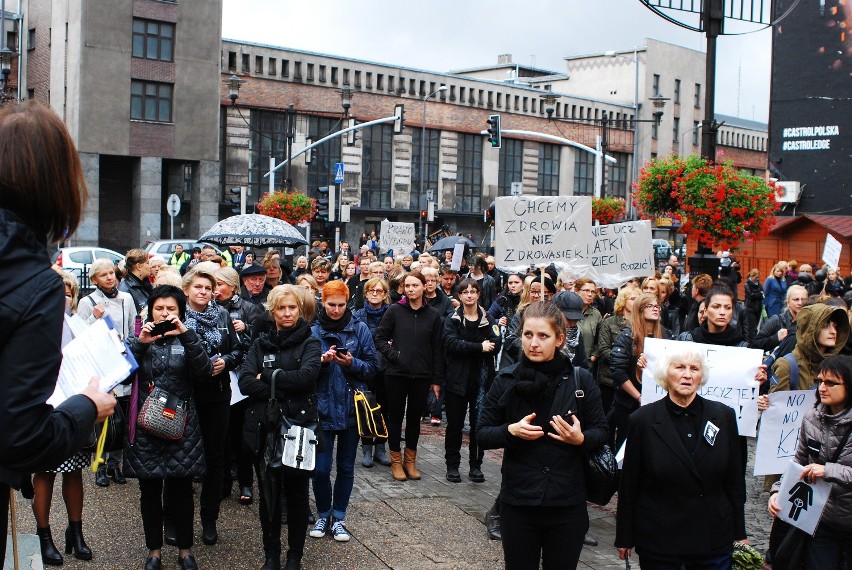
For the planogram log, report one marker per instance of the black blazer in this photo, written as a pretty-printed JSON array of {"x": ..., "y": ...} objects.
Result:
[{"x": 674, "y": 504}]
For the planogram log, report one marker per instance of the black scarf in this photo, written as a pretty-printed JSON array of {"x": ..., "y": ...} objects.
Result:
[
  {"x": 536, "y": 382},
  {"x": 728, "y": 337},
  {"x": 334, "y": 326},
  {"x": 206, "y": 325},
  {"x": 293, "y": 335},
  {"x": 110, "y": 294}
]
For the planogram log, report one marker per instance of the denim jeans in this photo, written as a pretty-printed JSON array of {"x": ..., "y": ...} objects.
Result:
[
  {"x": 825, "y": 550},
  {"x": 347, "y": 448}
]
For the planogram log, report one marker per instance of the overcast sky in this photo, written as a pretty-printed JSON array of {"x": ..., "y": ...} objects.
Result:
[{"x": 440, "y": 35}]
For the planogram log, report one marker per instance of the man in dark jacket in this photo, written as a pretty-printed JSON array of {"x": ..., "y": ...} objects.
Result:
[{"x": 255, "y": 289}]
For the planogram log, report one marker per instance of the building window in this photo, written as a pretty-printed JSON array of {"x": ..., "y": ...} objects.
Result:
[
  {"x": 285, "y": 68},
  {"x": 511, "y": 166},
  {"x": 655, "y": 85},
  {"x": 697, "y": 95},
  {"x": 268, "y": 138},
  {"x": 272, "y": 70},
  {"x": 469, "y": 174},
  {"x": 618, "y": 182},
  {"x": 258, "y": 64},
  {"x": 548, "y": 169},
  {"x": 675, "y": 129},
  {"x": 677, "y": 92},
  {"x": 151, "y": 101},
  {"x": 31, "y": 38},
  {"x": 232, "y": 61},
  {"x": 431, "y": 158},
  {"x": 584, "y": 173},
  {"x": 377, "y": 167},
  {"x": 245, "y": 62},
  {"x": 153, "y": 40},
  {"x": 321, "y": 169},
  {"x": 696, "y": 126}
]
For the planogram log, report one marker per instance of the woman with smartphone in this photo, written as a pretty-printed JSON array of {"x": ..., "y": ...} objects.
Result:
[
  {"x": 533, "y": 411},
  {"x": 171, "y": 357},
  {"x": 348, "y": 362}
]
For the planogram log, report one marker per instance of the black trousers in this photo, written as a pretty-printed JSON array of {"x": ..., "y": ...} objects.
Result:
[
  {"x": 294, "y": 487},
  {"x": 236, "y": 452},
  {"x": 181, "y": 510},
  {"x": 456, "y": 407},
  {"x": 398, "y": 389},
  {"x": 213, "y": 418},
  {"x": 4, "y": 522},
  {"x": 552, "y": 535}
]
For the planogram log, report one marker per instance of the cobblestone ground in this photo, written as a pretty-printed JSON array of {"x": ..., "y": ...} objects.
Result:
[{"x": 429, "y": 523}]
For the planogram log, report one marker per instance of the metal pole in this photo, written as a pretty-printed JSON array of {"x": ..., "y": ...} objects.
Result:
[
  {"x": 713, "y": 18},
  {"x": 422, "y": 166},
  {"x": 635, "y": 127},
  {"x": 291, "y": 128},
  {"x": 271, "y": 178},
  {"x": 172, "y": 230},
  {"x": 604, "y": 144}
]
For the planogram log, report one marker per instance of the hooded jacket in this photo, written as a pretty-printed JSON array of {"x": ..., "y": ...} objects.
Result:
[
  {"x": 410, "y": 341},
  {"x": 464, "y": 350},
  {"x": 36, "y": 437},
  {"x": 811, "y": 320}
]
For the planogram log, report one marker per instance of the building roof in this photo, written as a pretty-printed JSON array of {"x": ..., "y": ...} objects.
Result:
[
  {"x": 741, "y": 123},
  {"x": 840, "y": 225}
]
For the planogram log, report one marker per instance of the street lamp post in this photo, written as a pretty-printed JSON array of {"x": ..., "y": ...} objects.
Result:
[
  {"x": 635, "y": 60},
  {"x": 423, "y": 159}
]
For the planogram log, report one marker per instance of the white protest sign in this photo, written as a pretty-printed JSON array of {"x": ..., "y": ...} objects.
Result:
[
  {"x": 801, "y": 502},
  {"x": 458, "y": 254},
  {"x": 831, "y": 251},
  {"x": 731, "y": 377},
  {"x": 236, "y": 394},
  {"x": 396, "y": 236},
  {"x": 779, "y": 430},
  {"x": 616, "y": 253},
  {"x": 539, "y": 230}
]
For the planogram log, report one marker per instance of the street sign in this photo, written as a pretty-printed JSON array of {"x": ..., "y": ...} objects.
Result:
[
  {"x": 517, "y": 188},
  {"x": 338, "y": 172},
  {"x": 173, "y": 205}
]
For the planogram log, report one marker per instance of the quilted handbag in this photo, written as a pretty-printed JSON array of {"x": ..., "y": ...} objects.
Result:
[
  {"x": 163, "y": 415},
  {"x": 368, "y": 414}
]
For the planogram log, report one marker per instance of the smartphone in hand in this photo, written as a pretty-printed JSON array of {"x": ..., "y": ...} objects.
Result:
[{"x": 162, "y": 328}]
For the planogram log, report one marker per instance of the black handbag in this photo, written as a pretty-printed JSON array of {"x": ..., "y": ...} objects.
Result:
[
  {"x": 115, "y": 431},
  {"x": 599, "y": 466},
  {"x": 294, "y": 438}
]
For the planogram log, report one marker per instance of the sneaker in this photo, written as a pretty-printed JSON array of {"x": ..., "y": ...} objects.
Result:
[
  {"x": 436, "y": 421},
  {"x": 320, "y": 528},
  {"x": 339, "y": 532}
]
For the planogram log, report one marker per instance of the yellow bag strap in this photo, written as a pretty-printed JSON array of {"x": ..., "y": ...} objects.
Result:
[{"x": 99, "y": 448}]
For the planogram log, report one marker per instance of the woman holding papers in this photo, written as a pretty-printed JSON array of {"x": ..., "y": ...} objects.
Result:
[
  {"x": 826, "y": 452},
  {"x": 169, "y": 361},
  {"x": 107, "y": 300},
  {"x": 42, "y": 195},
  {"x": 682, "y": 494}
]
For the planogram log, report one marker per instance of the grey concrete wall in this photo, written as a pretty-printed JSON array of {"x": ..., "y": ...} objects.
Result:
[
  {"x": 147, "y": 199},
  {"x": 205, "y": 196},
  {"x": 87, "y": 232}
]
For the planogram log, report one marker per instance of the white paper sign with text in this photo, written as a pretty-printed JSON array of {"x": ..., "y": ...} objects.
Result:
[
  {"x": 801, "y": 502},
  {"x": 778, "y": 436},
  {"x": 397, "y": 237},
  {"x": 616, "y": 253},
  {"x": 831, "y": 251},
  {"x": 539, "y": 230},
  {"x": 731, "y": 377}
]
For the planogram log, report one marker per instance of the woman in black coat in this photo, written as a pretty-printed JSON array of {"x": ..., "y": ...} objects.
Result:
[
  {"x": 533, "y": 411},
  {"x": 291, "y": 355},
  {"x": 172, "y": 362},
  {"x": 42, "y": 196},
  {"x": 472, "y": 339},
  {"x": 682, "y": 494}
]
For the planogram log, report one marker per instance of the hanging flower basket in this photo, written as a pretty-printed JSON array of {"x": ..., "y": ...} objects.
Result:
[
  {"x": 717, "y": 204},
  {"x": 291, "y": 206},
  {"x": 608, "y": 210}
]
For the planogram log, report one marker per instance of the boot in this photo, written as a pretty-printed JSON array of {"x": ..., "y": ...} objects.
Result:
[
  {"x": 101, "y": 479},
  {"x": 116, "y": 475},
  {"x": 49, "y": 554},
  {"x": 367, "y": 459},
  {"x": 74, "y": 541},
  {"x": 492, "y": 524},
  {"x": 396, "y": 466},
  {"x": 272, "y": 561},
  {"x": 409, "y": 464},
  {"x": 380, "y": 455}
]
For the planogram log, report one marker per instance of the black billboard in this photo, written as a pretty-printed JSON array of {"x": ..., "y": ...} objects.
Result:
[{"x": 810, "y": 114}]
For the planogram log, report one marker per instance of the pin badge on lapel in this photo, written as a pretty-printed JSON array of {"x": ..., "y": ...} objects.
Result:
[{"x": 710, "y": 432}]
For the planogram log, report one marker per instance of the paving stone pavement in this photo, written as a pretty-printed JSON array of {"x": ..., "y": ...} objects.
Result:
[{"x": 424, "y": 524}]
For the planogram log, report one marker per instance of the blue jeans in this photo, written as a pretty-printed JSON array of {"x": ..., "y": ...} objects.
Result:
[
  {"x": 825, "y": 550},
  {"x": 347, "y": 448}
]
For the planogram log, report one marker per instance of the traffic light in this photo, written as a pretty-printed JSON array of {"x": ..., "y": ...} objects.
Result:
[
  {"x": 325, "y": 204},
  {"x": 238, "y": 200},
  {"x": 423, "y": 214},
  {"x": 488, "y": 215},
  {"x": 494, "y": 136},
  {"x": 399, "y": 123}
]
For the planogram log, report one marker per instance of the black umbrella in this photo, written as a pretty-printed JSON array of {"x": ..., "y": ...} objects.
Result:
[
  {"x": 255, "y": 230},
  {"x": 449, "y": 243}
]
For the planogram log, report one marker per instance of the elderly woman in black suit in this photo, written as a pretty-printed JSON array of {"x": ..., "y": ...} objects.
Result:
[{"x": 682, "y": 495}]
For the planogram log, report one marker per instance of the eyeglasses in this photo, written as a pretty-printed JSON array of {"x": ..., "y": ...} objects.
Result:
[
  {"x": 376, "y": 291},
  {"x": 828, "y": 383},
  {"x": 652, "y": 307}
]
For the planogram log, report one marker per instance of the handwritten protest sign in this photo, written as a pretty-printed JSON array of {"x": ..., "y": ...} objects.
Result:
[
  {"x": 779, "y": 430},
  {"x": 831, "y": 251},
  {"x": 731, "y": 380},
  {"x": 539, "y": 230},
  {"x": 397, "y": 237},
  {"x": 616, "y": 253},
  {"x": 801, "y": 502}
]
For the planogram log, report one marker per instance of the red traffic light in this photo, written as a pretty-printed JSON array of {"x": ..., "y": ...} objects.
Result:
[{"x": 423, "y": 214}]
